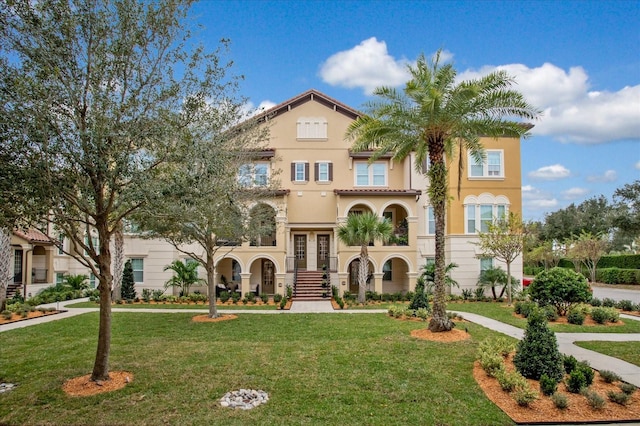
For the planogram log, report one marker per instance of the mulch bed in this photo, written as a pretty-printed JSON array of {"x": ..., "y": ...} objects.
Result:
[
  {"x": 35, "y": 314},
  {"x": 84, "y": 386}
]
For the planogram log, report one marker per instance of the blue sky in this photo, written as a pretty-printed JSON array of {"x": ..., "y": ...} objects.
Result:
[{"x": 577, "y": 61}]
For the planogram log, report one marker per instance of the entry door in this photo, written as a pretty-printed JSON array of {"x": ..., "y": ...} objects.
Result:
[
  {"x": 300, "y": 247},
  {"x": 323, "y": 251}
]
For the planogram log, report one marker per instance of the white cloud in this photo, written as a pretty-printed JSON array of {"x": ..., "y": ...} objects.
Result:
[
  {"x": 572, "y": 113},
  {"x": 608, "y": 176},
  {"x": 574, "y": 193},
  {"x": 637, "y": 166},
  {"x": 537, "y": 200},
  {"x": 367, "y": 65},
  {"x": 553, "y": 172},
  {"x": 250, "y": 109}
]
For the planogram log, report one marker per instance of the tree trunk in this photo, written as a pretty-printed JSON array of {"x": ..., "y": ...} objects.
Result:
[
  {"x": 363, "y": 272},
  {"x": 101, "y": 364},
  {"x": 211, "y": 285},
  {"x": 118, "y": 261},
  {"x": 6, "y": 265},
  {"x": 438, "y": 196},
  {"x": 508, "y": 283}
]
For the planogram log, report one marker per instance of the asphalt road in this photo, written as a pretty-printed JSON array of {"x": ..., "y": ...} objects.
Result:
[{"x": 616, "y": 293}]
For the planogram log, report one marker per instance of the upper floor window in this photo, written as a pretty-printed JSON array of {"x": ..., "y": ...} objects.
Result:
[
  {"x": 370, "y": 174},
  {"x": 431, "y": 221},
  {"x": 492, "y": 166},
  {"x": 311, "y": 128},
  {"x": 254, "y": 174},
  {"x": 300, "y": 171},
  {"x": 482, "y": 210},
  {"x": 324, "y": 171}
]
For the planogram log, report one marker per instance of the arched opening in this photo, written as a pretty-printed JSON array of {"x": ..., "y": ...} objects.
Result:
[
  {"x": 395, "y": 278},
  {"x": 263, "y": 226},
  {"x": 397, "y": 216},
  {"x": 229, "y": 271},
  {"x": 354, "y": 271},
  {"x": 359, "y": 209},
  {"x": 263, "y": 276}
]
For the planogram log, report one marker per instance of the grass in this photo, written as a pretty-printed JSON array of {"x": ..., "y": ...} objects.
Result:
[
  {"x": 318, "y": 369},
  {"x": 239, "y": 306},
  {"x": 626, "y": 351},
  {"x": 504, "y": 313}
]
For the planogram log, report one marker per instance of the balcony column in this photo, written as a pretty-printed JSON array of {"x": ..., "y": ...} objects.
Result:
[
  {"x": 245, "y": 283},
  {"x": 412, "y": 224},
  {"x": 377, "y": 282}
]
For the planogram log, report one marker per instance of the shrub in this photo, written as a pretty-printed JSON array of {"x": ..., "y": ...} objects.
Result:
[
  {"x": 7, "y": 314},
  {"x": 627, "y": 388},
  {"x": 625, "y": 305},
  {"x": 235, "y": 297},
  {"x": 594, "y": 399},
  {"x": 537, "y": 353},
  {"x": 548, "y": 385},
  {"x": 608, "y": 303},
  {"x": 560, "y": 400},
  {"x": 467, "y": 294},
  {"x": 524, "y": 308},
  {"x": 340, "y": 302},
  {"x": 420, "y": 299},
  {"x": 596, "y": 302},
  {"x": 575, "y": 317},
  {"x": 550, "y": 313},
  {"x": 524, "y": 395},
  {"x": 576, "y": 381},
  {"x": 618, "y": 397},
  {"x": 127, "y": 289},
  {"x": 587, "y": 372},
  {"x": 492, "y": 364},
  {"x": 157, "y": 295},
  {"x": 277, "y": 298},
  {"x": 604, "y": 315},
  {"x": 510, "y": 380},
  {"x": 497, "y": 345},
  {"x": 224, "y": 296},
  {"x": 264, "y": 297},
  {"x": 146, "y": 295},
  {"x": 609, "y": 376},
  {"x": 422, "y": 313},
  {"x": 478, "y": 293},
  {"x": 251, "y": 297},
  {"x": 283, "y": 302},
  {"x": 561, "y": 288}
]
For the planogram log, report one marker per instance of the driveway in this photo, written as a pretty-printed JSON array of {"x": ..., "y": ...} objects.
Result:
[{"x": 602, "y": 291}]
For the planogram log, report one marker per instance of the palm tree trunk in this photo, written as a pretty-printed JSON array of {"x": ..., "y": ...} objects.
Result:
[
  {"x": 6, "y": 265},
  {"x": 363, "y": 272},
  {"x": 438, "y": 196}
]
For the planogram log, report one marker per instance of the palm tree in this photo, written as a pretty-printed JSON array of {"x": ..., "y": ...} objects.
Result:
[
  {"x": 436, "y": 118},
  {"x": 360, "y": 230},
  {"x": 185, "y": 275},
  {"x": 496, "y": 277},
  {"x": 429, "y": 276}
]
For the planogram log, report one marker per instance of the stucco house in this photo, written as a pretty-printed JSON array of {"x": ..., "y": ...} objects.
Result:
[{"x": 321, "y": 182}]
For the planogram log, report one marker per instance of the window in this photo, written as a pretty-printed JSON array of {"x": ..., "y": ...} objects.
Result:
[
  {"x": 311, "y": 128},
  {"x": 370, "y": 175},
  {"x": 92, "y": 280},
  {"x": 387, "y": 271},
  {"x": 484, "y": 215},
  {"x": 491, "y": 166},
  {"x": 94, "y": 241},
  {"x": 138, "y": 270},
  {"x": 236, "y": 270},
  {"x": 431, "y": 221},
  {"x": 253, "y": 174},
  {"x": 61, "y": 241},
  {"x": 486, "y": 263},
  {"x": 323, "y": 171},
  {"x": 300, "y": 172},
  {"x": 59, "y": 277}
]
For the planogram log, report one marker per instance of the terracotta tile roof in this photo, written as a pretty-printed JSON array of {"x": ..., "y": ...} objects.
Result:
[
  {"x": 374, "y": 192},
  {"x": 33, "y": 236}
]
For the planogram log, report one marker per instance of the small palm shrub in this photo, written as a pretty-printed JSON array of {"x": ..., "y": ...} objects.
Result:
[{"x": 537, "y": 353}]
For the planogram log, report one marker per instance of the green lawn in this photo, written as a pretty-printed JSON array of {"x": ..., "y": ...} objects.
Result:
[
  {"x": 504, "y": 313},
  {"x": 318, "y": 369},
  {"x": 626, "y": 351},
  {"x": 239, "y": 306}
]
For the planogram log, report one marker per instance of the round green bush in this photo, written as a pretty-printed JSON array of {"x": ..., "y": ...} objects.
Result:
[
  {"x": 575, "y": 317},
  {"x": 561, "y": 288}
]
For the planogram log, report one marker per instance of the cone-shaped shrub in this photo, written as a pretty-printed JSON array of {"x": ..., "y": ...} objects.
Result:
[
  {"x": 128, "y": 290},
  {"x": 537, "y": 353}
]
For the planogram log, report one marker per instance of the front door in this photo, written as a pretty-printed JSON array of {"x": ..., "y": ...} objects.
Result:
[
  {"x": 323, "y": 251},
  {"x": 300, "y": 247}
]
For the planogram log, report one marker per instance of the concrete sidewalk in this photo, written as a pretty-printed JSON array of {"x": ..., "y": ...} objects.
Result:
[{"x": 630, "y": 373}]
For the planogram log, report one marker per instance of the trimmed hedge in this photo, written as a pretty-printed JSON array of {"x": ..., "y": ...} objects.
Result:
[{"x": 618, "y": 276}]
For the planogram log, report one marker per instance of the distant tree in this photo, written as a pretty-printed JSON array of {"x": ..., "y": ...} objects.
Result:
[
  {"x": 588, "y": 249},
  {"x": 594, "y": 215},
  {"x": 95, "y": 96},
  {"x": 503, "y": 241},
  {"x": 440, "y": 118},
  {"x": 76, "y": 282},
  {"x": 545, "y": 254},
  {"x": 360, "y": 230},
  {"x": 627, "y": 212},
  {"x": 128, "y": 290},
  {"x": 185, "y": 275}
]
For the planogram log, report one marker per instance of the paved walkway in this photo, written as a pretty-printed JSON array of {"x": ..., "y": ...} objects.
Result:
[{"x": 630, "y": 373}]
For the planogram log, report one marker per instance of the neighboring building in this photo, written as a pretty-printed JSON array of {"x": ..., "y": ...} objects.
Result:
[{"x": 322, "y": 182}]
